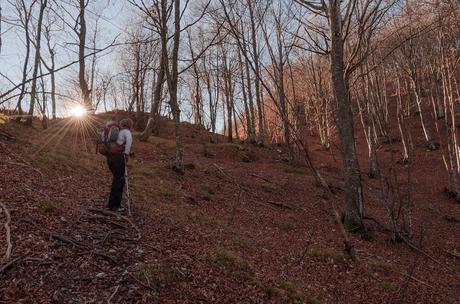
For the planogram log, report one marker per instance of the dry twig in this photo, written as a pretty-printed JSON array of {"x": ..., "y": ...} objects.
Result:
[
  {"x": 25, "y": 165},
  {"x": 280, "y": 205},
  {"x": 9, "y": 247},
  {"x": 261, "y": 177},
  {"x": 415, "y": 279},
  {"x": 68, "y": 240},
  {"x": 10, "y": 264},
  {"x": 453, "y": 254},
  {"x": 113, "y": 294}
]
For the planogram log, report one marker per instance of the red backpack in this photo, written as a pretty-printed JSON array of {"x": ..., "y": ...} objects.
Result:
[{"x": 107, "y": 139}]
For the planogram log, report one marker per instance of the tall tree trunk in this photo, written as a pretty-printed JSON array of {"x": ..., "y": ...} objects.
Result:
[
  {"x": 279, "y": 66},
  {"x": 247, "y": 114},
  {"x": 248, "y": 95},
  {"x": 27, "y": 14},
  {"x": 172, "y": 75},
  {"x": 44, "y": 104},
  {"x": 406, "y": 138},
  {"x": 353, "y": 188},
  {"x": 51, "y": 69},
  {"x": 252, "y": 135},
  {"x": 152, "y": 123},
  {"x": 33, "y": 94},
  {"x": 137, "y": 86},
  {"x": 418, "y": 99},
  {"x": 228, "y": 96},
  {"x": 85, "y": 92},
  {"x": 301, "y": 123},
  {"x": 93, "y": 64},
  {"x": 235, "y": 123},
  {"x": 213, "y": 102},
  {"x": 53, "y": 88},
  {"x": 255, "y": 52}
]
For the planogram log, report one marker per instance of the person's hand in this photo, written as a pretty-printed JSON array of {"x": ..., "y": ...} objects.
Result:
[{"x": 126, "y": 157}]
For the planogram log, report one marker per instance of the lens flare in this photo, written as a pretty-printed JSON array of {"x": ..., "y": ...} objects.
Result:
[{"x": 78, "y": 111}]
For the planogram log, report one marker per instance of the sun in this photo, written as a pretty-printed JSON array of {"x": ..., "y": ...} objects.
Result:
[{"x": 78, "y": 111}]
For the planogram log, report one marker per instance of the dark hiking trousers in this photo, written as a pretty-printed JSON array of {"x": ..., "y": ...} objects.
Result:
[{"x": 116, "y": 164}]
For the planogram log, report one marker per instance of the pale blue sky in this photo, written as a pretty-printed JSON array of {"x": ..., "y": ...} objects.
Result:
[{"x": 115, "y": 16}]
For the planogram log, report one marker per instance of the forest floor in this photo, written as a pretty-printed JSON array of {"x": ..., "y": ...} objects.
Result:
[{"x": 240, "y": 226}]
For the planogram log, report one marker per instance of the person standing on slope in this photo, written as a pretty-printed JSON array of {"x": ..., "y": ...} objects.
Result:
[{"x": 117, "y": 162}]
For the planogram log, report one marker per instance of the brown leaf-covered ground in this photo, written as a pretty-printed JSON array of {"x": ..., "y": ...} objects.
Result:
[{"x": 241, "y": 226}]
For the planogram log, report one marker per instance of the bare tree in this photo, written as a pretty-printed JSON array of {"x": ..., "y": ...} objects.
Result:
[
  {"x": 52, "y": 66},
  {"x": 81, "y": 32},
  {"x": 37, "y": 44},
  {"x": 1, "y": 34},
  {"x": 345, "y": 39},
  {"x": 256, "y": 59},
  {"x": 24, "y": 12},
  {"x": 279, "y": 53}
]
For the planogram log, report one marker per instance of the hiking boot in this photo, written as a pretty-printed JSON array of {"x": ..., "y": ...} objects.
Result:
[{"x": 117, "y": 209}]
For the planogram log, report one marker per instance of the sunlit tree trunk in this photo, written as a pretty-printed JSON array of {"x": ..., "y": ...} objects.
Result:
[{"x": 255, "y": 54}]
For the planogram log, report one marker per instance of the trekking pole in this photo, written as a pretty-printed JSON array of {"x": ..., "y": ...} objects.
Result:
[{"x": 128, "y": 195}]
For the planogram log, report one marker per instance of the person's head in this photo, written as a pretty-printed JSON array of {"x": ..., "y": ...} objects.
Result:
[{"x": 126, "y": 123}]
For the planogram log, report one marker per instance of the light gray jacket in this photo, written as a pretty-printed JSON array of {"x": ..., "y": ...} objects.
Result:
[{"x": 125, "y": 138}]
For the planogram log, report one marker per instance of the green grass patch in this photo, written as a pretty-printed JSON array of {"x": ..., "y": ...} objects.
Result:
[
  {"x": 167, "y": 190},
  {"x": 379, "y": 265},
  {"x": 144, "y": 170},
  {"x": 237, "y": 268},
  {"x": 162, "y": 274},
  {"x": 273, "y": 292},
  {"x": 295, "y": 170},
  {"x": 268, "y": 188},
  {"x": 242, "y": 242},
  {"x": 292, "y": 291},
  {"x": 149, "y": 184},
  {"x": 388, "y": 286},
  {"x": 144, "y": 189},
  {"x": 286, "y": 226},
  {"x": 287, "y": 292},
  {"x": 329, "y": 256},
  {"x": 162, "y": 142},
  {"x": 208, "y": 189},
  {"x": 202, "y": 219},
  {"x": 228, "y": 147},
  {"x": 189, "y": 165},
  {"x": 314, "y": 300},
  {"x": 49, "y": 207},
  {"x": 207, "y": 192}
]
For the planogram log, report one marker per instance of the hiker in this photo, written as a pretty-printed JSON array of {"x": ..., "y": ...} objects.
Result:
[{"x": 117, "y": 160}]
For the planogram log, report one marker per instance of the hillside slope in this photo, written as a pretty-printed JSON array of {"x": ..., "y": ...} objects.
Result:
[{"x": 241, "y": 226}]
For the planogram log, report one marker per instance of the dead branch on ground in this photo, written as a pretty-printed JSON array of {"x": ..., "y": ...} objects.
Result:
[
  {"x": 453, "y": 254},
  {"x": 280, "y": 205},
  {"x": 118, "y": 216},
  {"x": 68, "y": 240},
  {"x": 13, "y": 163},
  {"x": 261, "y": 177},
  {"x": 9, "y": 247},
  {"x": 113, "y": 294},
  {"x": 10, "y": 264}
]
